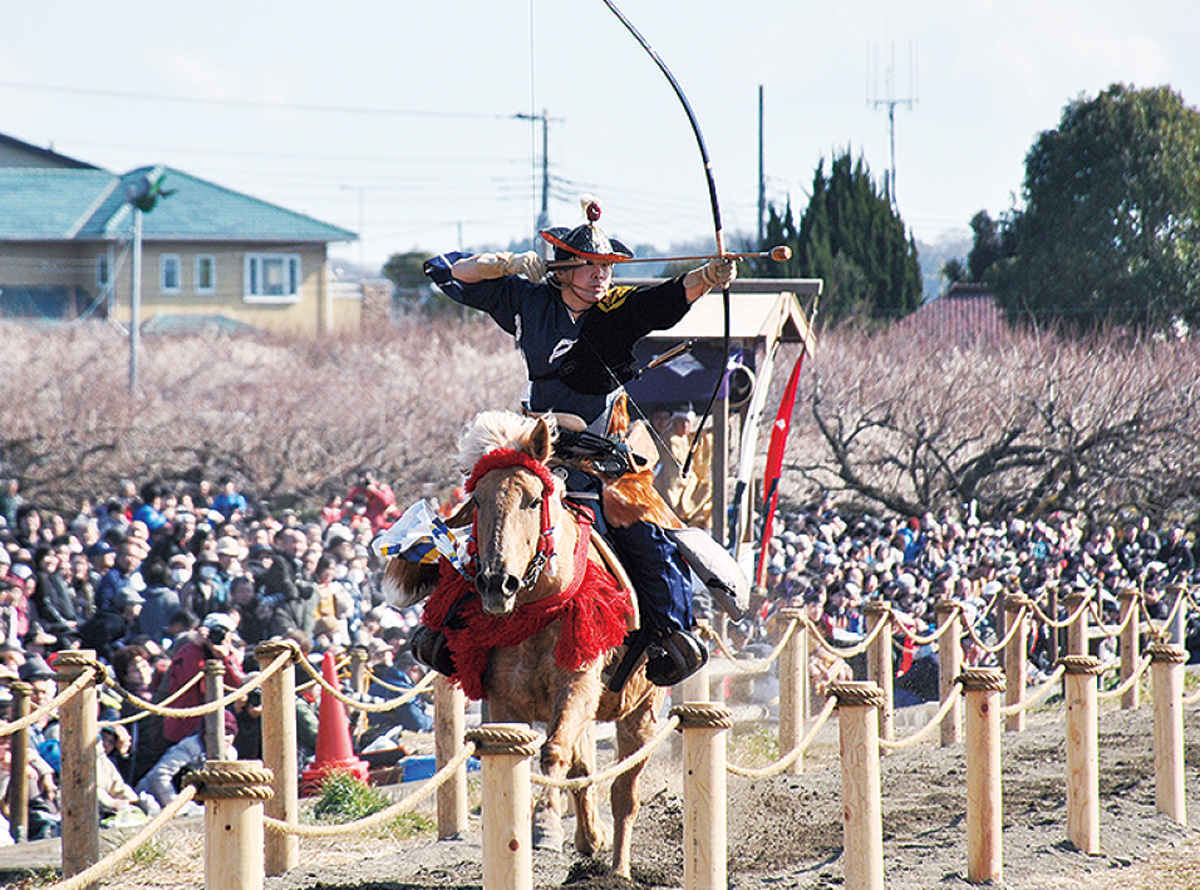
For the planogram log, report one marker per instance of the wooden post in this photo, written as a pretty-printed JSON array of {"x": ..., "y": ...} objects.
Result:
[
  {"x": 1077, "y": 633},
  {"x": 1131, "y": 601},
  {"x": 505, "y": 749},
  {"x": 982, "y": 688},
  {"x": 1083, "y": 751},
  {"x": 1017, "y": 605},
  {"x": 449, "y": 728},
  {"x": 950, "y": 659},
  {"x": 1176, "y": 629},
  {"x": 879, "y": 665},
  {"x": 233, "y": 792},
  {"x": 282, "y": 852},
  {"x": 1170, "y": 798},
  {"x": 862, "y": 809},
  {"x": 1052, "y": 611},
  {"x": 704, "y": 726},
  {"x": 18, "y": 791},
  {"x": 214, "y": 721},
  {"x": 358, "y": 668},
  {"x": 80, "y": 735},
  {"x": 793, "y": 686}
]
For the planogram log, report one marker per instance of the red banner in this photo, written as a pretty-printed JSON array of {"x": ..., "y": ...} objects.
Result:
[{"x": 779, "y": 433}]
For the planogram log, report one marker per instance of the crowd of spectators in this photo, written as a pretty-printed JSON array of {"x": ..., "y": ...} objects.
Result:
[
  {"x": 830, "y": 564},
  {"x": 161, "y": 578},
  {"x": 158, "y": 580}
]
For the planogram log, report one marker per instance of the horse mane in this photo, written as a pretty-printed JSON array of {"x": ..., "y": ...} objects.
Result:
[{"x": 496, "y": 429}]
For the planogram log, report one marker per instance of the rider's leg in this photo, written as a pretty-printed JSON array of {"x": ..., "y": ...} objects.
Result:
[{"x": 664, "y": 588}]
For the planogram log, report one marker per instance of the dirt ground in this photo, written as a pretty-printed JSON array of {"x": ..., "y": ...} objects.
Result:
[{"x": 786, "y": 832}]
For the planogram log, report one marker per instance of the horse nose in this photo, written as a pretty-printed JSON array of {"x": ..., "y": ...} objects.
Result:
[{"x": 496, "y": 586}]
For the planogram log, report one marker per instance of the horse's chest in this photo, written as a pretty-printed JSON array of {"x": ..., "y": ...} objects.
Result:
[{"x": 523, "y": 682}]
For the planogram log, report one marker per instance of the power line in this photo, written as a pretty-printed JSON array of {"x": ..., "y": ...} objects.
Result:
[{"x": 248, "y": 103}]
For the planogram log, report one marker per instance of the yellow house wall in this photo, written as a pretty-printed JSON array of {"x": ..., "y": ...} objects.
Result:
[
  {"x": 310, "y": 313},
  {"x": 74, "y": 265}
]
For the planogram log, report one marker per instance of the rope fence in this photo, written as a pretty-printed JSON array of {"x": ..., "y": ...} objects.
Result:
[{"x": 83, "y": 680}]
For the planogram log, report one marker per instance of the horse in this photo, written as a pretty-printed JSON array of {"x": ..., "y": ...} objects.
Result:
[{"x": 532, "y": 549}]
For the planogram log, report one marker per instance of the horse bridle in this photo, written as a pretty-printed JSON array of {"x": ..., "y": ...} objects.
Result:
[{"x": 509, "y": 457}]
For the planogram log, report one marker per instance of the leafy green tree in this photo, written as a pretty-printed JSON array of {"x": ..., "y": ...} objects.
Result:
[
  {"x": 851, "y": 236},
  {"x": 1110, "y": 232}
]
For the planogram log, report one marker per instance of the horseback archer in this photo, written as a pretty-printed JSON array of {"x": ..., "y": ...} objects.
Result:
[{"x": 576, "y": 330}]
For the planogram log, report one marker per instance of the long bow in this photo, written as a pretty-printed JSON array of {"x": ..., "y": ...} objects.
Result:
[{"x": 716, "y": 215}]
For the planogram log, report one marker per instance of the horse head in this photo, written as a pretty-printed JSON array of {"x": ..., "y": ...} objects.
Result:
[{"x": 517, "y": 504}]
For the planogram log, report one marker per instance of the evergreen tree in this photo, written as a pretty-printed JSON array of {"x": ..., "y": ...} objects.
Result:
[{"x": 851, "y": 236}]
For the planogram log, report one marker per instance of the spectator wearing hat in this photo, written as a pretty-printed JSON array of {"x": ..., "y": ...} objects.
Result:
[{"x": 216, "y": 639}]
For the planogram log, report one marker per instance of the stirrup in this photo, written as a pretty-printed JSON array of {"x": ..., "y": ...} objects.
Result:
[
  {"x": 675, "y": 658},
  {"x": 432, "y": 649}
]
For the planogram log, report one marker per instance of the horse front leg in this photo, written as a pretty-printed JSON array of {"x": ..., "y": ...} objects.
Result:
[
  {"x": 591, "y": 834},
  {"x": 561, "y": 757}
]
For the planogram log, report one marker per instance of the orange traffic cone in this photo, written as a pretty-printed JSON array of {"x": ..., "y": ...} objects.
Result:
[{"x": 335, "y": 752}]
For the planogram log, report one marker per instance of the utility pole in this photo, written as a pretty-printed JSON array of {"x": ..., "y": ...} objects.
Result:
[
  {"x": 543, "y": 220},
  {"x": 890, "y": 100}
]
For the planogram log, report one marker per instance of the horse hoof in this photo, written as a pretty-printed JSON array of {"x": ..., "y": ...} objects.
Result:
[{"x": 548, "y": 834}]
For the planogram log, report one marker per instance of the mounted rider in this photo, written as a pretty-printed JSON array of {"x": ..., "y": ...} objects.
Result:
[{"x": 576, "y": 330}]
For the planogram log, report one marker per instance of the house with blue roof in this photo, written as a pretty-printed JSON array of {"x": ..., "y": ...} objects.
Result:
[{"x": 210, "y": 256}]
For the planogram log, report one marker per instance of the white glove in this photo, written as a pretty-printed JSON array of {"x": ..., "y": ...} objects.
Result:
[
  {"x": 497, "y": 265},
  {"x": 714, "y": 273}
]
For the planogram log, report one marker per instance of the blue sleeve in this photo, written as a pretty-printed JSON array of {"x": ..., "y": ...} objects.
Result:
[{"x": 500, "y": 298}]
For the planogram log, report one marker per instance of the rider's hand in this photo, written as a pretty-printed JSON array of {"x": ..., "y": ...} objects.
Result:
[
  {"x": 718, "y": 273},
  {"x": 497, "y": 265}
]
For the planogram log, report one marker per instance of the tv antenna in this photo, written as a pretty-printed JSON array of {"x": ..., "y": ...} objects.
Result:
[{"x": 889, "y": 99}]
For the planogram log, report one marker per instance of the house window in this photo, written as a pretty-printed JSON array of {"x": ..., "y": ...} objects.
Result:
[
  {"x": 168, "y": 273},
  {"x": 102, "y": 271},
  {"x": 272, "y": 277},
  {"x": 206, "y": 275}
]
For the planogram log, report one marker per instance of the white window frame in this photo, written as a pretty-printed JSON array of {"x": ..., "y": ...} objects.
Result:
[
  {"x": 200, "y": 260},
  {"x": 163, "y": 262},
  {"x": 103, "y": 272},
  {"x": 252, "y": 284}
]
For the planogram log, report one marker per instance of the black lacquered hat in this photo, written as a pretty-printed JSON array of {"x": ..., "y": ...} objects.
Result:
[{"x": 585, "y": 243}]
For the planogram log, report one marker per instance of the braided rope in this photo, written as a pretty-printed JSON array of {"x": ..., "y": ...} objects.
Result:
[
  {"x": 401, "y": 806},
  {"x": 921, "y": 734},
  {"x": 1116, "y": 632},
  {"x": 208, "y": 707},
  {"x": 94, "y": 872},
  {"x": 1127, "y": 683},
  {"x": 1162, "y": 629},
  {"x": 357, "y": 705},
  {"x": 242, "y": 782},
  {"x": 506, "y": 738},
  {"x": 84, "y": 679},
  {"x": 407, "y": 694},
  {"x": 1012, "y": 632},
  {"x": 337, "y": 666},
  {"x": 1042, "y": 691},
  {"x": 856, "y": 649},
  {"x": 776, "y": 768},
  {"x": 749, "y": 667},
  {"x": 125, "y": 721},
  {"x": 613, "y": 770},
  {"x": 1066, "y": 622},
  {"x": 937, "y": 634}
]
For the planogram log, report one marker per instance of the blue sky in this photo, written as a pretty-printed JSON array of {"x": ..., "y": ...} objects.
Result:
[{"x": 396, "y": 118}]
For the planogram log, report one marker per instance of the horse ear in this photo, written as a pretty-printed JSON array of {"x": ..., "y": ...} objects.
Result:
[
  {"x": 618, "y": 418},
  {"x": 539, "y": 444}
]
